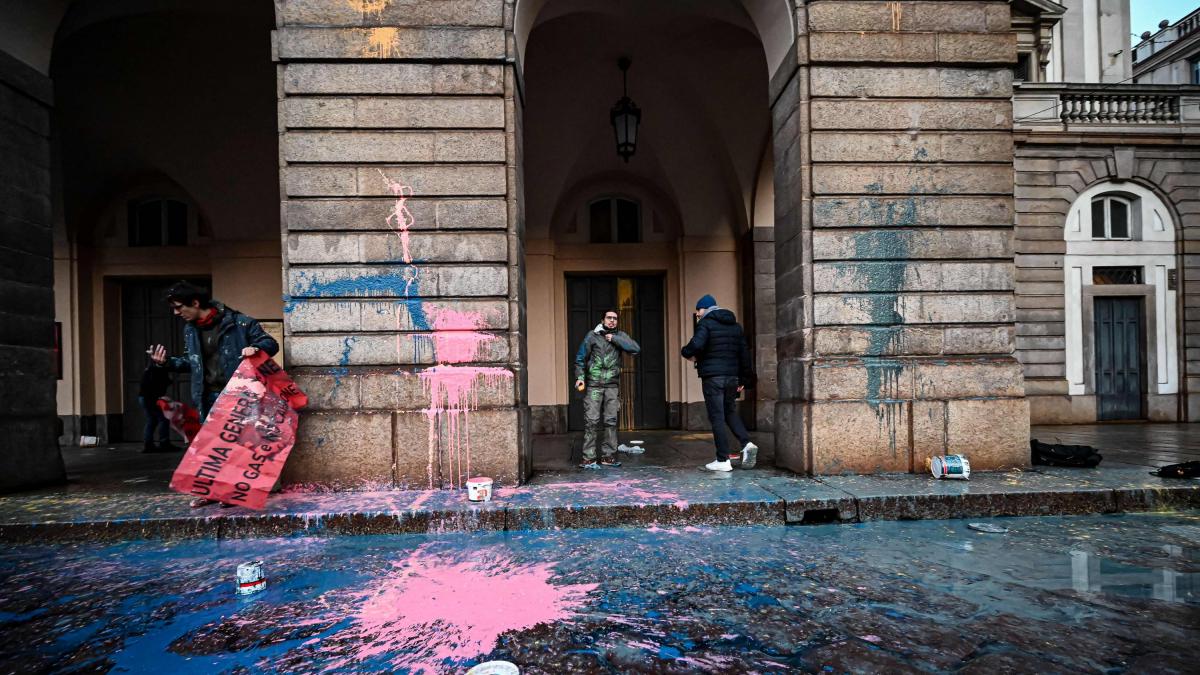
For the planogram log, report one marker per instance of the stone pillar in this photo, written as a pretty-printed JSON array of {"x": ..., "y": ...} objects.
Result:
[
  {"x": 28, "y": 409},
  {"x": 402, "y": 260},
  {"x": 765, "y": 363},
  {"x": 894, "y": 225}
]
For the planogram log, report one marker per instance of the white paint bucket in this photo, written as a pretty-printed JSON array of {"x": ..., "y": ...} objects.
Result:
[
  {"x": 250, "y": 578},
  {"x": 89, "y": 441},
  {"x": 495, "y": 668},
  {"x": 950, "y": 466},
  {"x": 479, "y": 489}
]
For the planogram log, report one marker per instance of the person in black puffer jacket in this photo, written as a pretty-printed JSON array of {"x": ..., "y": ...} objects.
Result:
[{"x": 723, "y": 361}]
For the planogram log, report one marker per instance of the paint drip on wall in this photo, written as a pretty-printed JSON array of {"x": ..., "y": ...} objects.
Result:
[{"x": 457, "y": 338}]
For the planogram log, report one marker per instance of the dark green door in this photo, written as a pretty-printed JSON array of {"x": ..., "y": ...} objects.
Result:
[
  {"x": 1119, "y": 358},
  {"x": 640, "y": 302}
]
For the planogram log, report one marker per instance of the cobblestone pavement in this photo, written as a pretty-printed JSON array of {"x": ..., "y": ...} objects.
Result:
[{"x": 1055, "y": 594}]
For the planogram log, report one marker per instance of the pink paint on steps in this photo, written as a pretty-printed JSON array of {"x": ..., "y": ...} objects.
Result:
[{"x": 430, "y": 612}]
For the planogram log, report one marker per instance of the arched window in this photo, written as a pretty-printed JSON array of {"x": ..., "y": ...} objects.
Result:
[
  {"x": 614, "y": 220},
  {"x": 158, "y": 221},
  {"x": 1110, "y": 217}
]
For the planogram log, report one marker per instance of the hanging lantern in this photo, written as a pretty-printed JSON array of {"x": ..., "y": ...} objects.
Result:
[{"x": 625, "y": 116}]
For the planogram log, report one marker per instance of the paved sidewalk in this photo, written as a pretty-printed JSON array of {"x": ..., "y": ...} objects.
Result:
[
  {"x": 118, "y": 493},
  {"x": 619, "y": 497}
]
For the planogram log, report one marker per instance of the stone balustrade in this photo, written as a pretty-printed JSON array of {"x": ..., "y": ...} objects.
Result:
[{"x": 1080, "y": 107}]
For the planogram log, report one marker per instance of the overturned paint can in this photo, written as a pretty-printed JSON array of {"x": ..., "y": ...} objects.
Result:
[
  {"x": 250, "y": 578},
  {"x": 950, "y": 466},
  {"x": 479, "y": 489},
  {"x": 495, "y": 668}
]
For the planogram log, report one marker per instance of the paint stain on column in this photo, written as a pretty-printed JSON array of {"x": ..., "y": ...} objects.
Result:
[{"x": 382, "y": 42}]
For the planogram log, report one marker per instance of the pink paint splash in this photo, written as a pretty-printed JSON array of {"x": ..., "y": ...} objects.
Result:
[
  {"x": 400, "y": 217},
  {"x": 636, "y": 488},
  {"x": 456, "y": 335},
  {"x": 429, "y": 613}
]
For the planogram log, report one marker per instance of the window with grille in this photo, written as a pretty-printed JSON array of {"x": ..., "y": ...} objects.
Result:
[
  {"x": 613, "y": 220},
  {"x": 1023, "y": 70},
  {"x": 1103, "y": 276},
  {"x": 158, "y": 221},
  {"x": 1110, "y": 218}
]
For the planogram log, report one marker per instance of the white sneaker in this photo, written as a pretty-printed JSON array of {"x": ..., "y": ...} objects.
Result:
[
  {"x": 719, "y": 466},
  {"x": 749, "y": 456}
]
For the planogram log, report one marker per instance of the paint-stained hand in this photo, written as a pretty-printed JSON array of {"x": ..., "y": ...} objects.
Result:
[
  {"x": 249, "y": 351},
  {"x": 579, "y": 385},
  {"x": 608, "y": 336},
  {"x": 158, "y": 354}
]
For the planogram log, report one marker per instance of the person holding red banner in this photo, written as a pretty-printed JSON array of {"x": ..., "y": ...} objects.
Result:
[{"x": 216, "y": 339}]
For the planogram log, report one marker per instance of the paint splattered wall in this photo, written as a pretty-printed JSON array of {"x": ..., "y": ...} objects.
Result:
[{"x": 399, "y": 207}]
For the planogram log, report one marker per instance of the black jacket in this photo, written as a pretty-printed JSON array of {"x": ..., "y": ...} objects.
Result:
[
  {"x": 598, "y": 361},
  {"x": 154, "y": 383},
  {"x": 720, "y": 348}
]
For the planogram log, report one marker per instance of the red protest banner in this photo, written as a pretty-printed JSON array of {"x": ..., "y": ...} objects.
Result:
[{"x": 239, "y": 452}]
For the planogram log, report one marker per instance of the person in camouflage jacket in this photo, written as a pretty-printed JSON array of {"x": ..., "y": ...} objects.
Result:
[{"x": 598, "y": 376}]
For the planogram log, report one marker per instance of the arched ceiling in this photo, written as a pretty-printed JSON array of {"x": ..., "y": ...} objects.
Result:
[{"x": 699, "y": 77}]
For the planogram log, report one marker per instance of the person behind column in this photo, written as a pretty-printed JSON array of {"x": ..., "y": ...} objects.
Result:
[
  {"x": 152, "y": 387},
  {"x": 722, "y": 357},
  {"x": 216, "y": 338},
  {"x": 598, "y": 376}
]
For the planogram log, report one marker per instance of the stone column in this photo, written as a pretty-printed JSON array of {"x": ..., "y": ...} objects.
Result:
[
  {"x": 894, "y": 223},
  {"x": 28, "y": 409},
  {"x": 403, "y": 270}
]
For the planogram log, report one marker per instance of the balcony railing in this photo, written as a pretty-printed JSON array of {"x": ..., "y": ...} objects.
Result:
[{"x": 1099, "y": 107}]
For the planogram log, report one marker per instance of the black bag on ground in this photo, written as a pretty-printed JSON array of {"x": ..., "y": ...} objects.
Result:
[
  {"x": 1184, "y": 470},
  {"x": 1056, "y": 454}
]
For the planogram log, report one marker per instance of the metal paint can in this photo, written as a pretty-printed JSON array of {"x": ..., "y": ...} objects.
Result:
[
  {"x": 479, "y": 489},
  {"x": 250, "y": 578},
  {"x": 950, "y": 466}
]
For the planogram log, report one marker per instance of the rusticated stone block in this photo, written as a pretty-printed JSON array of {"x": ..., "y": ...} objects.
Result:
[
  {"x": 327, "y": 388},
  {"x": 929, "y": 431},
  {"x": 885, "y": 308},
  {"x": 979, "y": 339},
  {"x": 493, "y": 442},
  {"x": 418, "y": 461},
  {"x": 913, "y": 179},
  {"x": 911, "y": 147},
  {"x": 407, "y": 390},
  {"x": 940, "y": 379},
  {"x": 392, "y": 78},
  {"x": 390, "y": 42},
  {"x": 878, "y": 341},
  {"x": 873, "y": 379},
  {"x": 859, "y": 437},
  {"x": 911, "y": 211},
  {"x": 993, "y": 434},
  {"x": 397, "y": 281},
  {"x": 924, "y": 244},
  {"x": 789, "y": 439},
  {"x": 882, "y": 276},
  {"x": 387, "y": 112},
  {"x": 376, "y": 349},
  {"x": 866, "y": 82},
  {"x": 937, "y": 17},
  {"x": 975, "y": 48},
  {"x": 878, "y": 47},
  {"x": 358, "y": 146},
  {"x": 372, "y": 214},
  {"x": 376, "y": 248},
  {"x": 342, "y": 450},
  {"x": 391, "y": 13},
  {"x": 903, "y": 115},
  {"x": 425, "y": 180}
]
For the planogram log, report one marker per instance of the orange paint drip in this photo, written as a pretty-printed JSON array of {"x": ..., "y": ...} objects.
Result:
[
  {"x": 382, "y": 42},
  {"x": 368, "y": 7}
]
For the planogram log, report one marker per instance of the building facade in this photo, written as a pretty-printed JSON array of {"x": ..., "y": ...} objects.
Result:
[
  {"x": 1106, "y": 200},
  {"x": 1170, "y": 56},
  {"x": 423, "y": 199}
]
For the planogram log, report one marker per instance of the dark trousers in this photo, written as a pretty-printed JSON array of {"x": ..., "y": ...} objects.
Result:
[
  {"x": 720, "y": 400},
  {"x": 207, "y": 403},
  {"x": 155, "y": 421},
  {"x": 601, "y": 405}
]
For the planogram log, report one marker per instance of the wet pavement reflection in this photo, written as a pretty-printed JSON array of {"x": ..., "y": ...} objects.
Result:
[{"x": 1053, "y": 594}]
